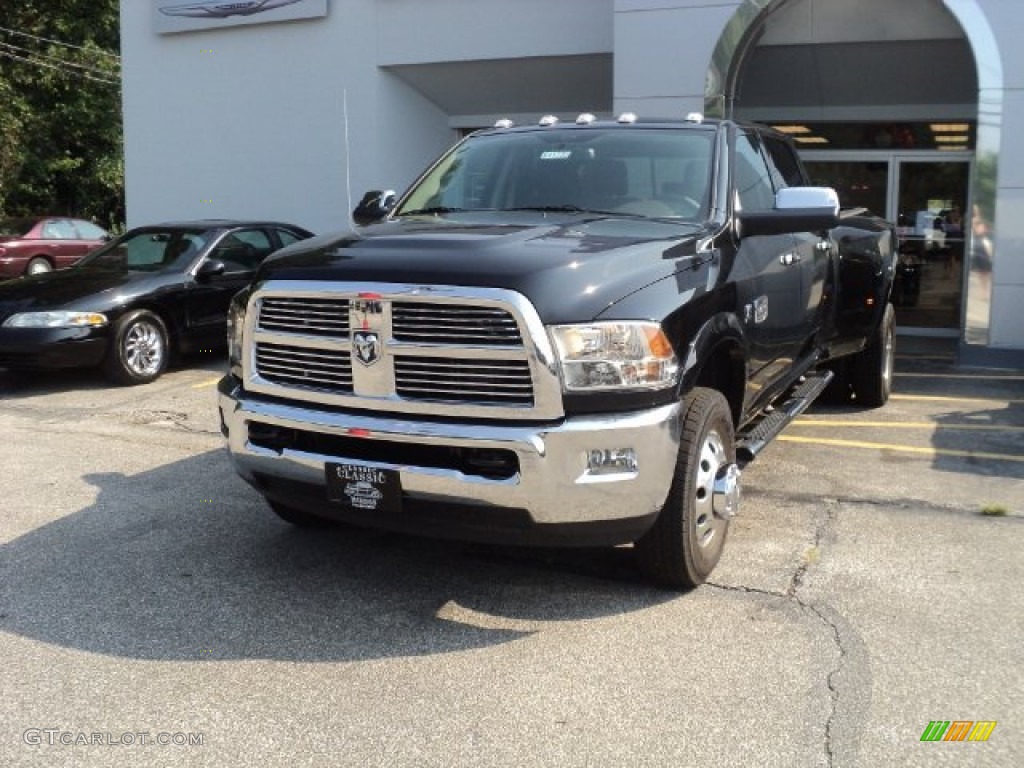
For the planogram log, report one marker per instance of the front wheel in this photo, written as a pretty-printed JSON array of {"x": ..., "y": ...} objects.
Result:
[
  {"x": 138, "y": 351},
  {"x": 686, "y": 541}
]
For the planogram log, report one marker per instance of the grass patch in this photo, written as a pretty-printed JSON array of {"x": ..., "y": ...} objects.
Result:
[{"x": 994, "y": 510}]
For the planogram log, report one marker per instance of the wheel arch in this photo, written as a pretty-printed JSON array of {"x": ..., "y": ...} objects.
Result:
[
  {"x": 174, "y": 336},
  {"x": 716, "y": 359}
]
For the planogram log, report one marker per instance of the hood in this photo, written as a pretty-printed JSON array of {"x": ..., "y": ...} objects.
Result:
[
  {"x": 570, "y": 267},
  {"x": 79, "y": 289}
]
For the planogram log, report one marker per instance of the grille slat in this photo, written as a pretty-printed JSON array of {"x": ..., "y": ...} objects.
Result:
[
  {"x": 302, "y": 367},
  {"x": 486, "y": 381},
  {"x": 454, "y": 324},
  {"x": 316, "y": 317}
]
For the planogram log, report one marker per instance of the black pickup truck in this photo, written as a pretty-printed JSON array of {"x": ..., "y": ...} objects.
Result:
[{"x": 562, "y": 333}]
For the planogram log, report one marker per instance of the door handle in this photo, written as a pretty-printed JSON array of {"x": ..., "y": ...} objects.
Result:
[{"x": 789, "y": 259}]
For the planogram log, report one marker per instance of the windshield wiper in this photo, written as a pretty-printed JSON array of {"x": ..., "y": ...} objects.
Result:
[
  {"x": 548, "y": 208},
  {"x": 439, "y": 209}
]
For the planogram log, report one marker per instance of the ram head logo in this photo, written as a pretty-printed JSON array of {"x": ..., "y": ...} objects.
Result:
[{"x": 366, "y": 346}]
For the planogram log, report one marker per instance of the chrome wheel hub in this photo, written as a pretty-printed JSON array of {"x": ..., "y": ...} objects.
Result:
[
  {"x": 716, "y": 491},
  {"x": 143, "y": 349},
  {"x": 726, "y": 501}
]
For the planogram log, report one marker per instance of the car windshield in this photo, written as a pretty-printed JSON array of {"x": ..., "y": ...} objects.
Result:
[
  {"x": 170, "y": 250},
  {"x": 655, "y": 173},
  {"x": 15, "y": 227}
]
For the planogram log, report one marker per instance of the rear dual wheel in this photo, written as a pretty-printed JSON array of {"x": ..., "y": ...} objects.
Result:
[
  {"x": 686, "y": 541},
  {"x": 866, "y": 377}
]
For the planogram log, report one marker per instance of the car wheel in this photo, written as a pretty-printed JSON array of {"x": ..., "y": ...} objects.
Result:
[
  {"x": 138, "y": 352},
  {"x": 298, "y": 517},
  {"x": 686, "y": 541},
  {"x": 873, "y": 367},
  {"x": 37, "y": 266}
]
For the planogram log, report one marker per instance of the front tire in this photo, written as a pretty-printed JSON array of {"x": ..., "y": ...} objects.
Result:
[
  {"x": 139, "y": 349},
  {"x": 686, "y": 541}
]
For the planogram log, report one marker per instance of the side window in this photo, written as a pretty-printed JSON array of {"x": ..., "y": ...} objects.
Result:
[
  {"x": 752, "y": 176},
  {"x": 58, "y": 229},
  {"x": 784, "y": 164},
  {"x": 88, "y": 231},
  {"x": 287, "y": 237},
  {"x": 242, "y": 251}
]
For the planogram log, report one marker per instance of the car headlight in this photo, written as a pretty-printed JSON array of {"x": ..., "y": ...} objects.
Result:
[
  {"x": 236, "y": 324},
  {"x": 56, "y": 320},
  {"x": 614, "y": 355}
]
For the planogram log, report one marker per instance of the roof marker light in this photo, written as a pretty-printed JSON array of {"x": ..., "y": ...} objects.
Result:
[
  {"x": 548, "y": 120},
  {"x": 628, "y": 118},
  {"x": 585, "y": 119},
  {"x": 504, "y": 123},
  {"x": 695, "y": 117}
]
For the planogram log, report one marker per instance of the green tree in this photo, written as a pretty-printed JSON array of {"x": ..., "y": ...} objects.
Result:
[{"x": 60, "y": 109}]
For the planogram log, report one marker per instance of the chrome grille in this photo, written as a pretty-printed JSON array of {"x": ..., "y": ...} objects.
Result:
[
  {"x": 505, "y": 382},
  {"x": 292, "y": 366},
  {"x": 428, "y": 323},
  {"x": 480, "y": 353},
  {"x": 314, "y": 317}
]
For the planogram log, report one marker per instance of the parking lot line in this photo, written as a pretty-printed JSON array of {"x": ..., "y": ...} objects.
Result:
[
  {"x": 924, "y": 451},
  {"x": 812, "y": 422},
  {"x": 973, "y": 376},
  {"x": 955, "y": 399},
  {"x": 204, "y": 384}
]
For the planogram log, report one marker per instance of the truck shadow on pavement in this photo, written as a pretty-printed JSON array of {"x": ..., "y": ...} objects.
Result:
[{"x": 186, "y": 562}]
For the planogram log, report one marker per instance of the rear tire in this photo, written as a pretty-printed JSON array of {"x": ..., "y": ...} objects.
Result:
[
  {"x": 873, "y": 367},
  {"x": 299, "y": 518},
  {"x": 686, "y": 541},
  {"x": 38, "y": 266}
]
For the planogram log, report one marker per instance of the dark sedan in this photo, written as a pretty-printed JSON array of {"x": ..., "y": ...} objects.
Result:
[
  {"x": 38, "y": 244},
  {"x": 130, "y": 305}
]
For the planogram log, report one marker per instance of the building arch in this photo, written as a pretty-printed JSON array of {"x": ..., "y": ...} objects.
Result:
[{"x": 962, "y": 35}]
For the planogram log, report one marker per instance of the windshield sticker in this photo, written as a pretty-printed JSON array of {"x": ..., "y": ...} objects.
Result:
[{"x": 556, "y": 154}]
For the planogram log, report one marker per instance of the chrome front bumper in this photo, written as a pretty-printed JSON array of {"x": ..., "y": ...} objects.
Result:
[{"x": 553, "y": 483}]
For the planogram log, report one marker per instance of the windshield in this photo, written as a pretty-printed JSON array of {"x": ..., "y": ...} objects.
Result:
[
  {"x": 657, "y": 173},
  {"x": 149, "y": 251}
]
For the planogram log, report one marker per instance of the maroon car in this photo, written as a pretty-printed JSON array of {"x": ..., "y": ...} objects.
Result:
[{"x": 29, "y": 246}]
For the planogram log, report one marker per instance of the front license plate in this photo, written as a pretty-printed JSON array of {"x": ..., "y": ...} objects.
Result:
[{"x": 366, "y": 488}]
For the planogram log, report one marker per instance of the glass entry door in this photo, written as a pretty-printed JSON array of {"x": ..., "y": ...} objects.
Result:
[
  {"x": 926, "y": 196},
  {"x": 931, "y": 200}
]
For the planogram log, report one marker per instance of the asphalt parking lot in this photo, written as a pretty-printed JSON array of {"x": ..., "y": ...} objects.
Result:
[{"x": 153, "y": 612}]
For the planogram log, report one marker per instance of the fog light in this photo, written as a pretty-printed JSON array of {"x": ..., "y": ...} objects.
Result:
[{"x": 611, "y": 461}]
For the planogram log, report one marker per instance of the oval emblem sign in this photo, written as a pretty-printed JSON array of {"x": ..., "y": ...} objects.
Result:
[{"x": 366, "y": 345}]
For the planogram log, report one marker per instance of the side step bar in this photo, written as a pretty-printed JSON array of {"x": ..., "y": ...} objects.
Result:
[{"x": 752, "y": 440}]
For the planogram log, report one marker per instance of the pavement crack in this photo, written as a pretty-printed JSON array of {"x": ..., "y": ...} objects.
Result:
[{"x": 823, "y": 525}]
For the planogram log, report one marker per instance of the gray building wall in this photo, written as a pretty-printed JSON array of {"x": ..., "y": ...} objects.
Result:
[{"x": 295, "y": 120}]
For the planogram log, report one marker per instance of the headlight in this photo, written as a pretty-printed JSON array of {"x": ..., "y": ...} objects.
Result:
[
  {"x": 236, "y": 323},
  {"x": 55, "y": 320},
  {"x": 603, "y": 356}
]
